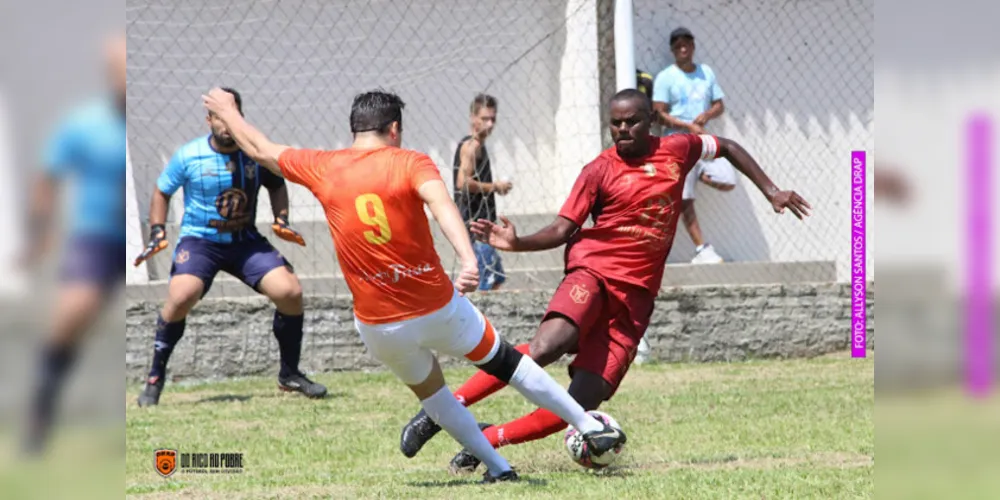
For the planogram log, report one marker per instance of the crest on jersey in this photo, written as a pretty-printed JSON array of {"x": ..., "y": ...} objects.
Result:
[
  {"x": 650, "y": 169},
  {"x": 579, "y": 294},
  {"x": 166, "y": 462},
  {"x": 231, "y": 166},
  {"x": 673, "y": 171},
  {"x": 232, "y": 203},
  {"x": 250, "y": 170}
]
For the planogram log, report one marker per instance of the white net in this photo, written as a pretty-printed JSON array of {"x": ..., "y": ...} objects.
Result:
[
  {"x": 798, "y": 79},
  {"x": 298, "y": 64}
]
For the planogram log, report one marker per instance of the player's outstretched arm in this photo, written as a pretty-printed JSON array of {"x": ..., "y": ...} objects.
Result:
[
  {"x": 435, "y": 194},
  {"x": 780, "y": 200},
  {"x": 504, "y": 237},
  {"x": 252, "y": 141}
]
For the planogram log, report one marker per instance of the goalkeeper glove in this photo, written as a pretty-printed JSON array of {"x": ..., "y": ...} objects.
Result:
[
  {"x": 281, "y": 228},
  {"x": 157, "y": 242}
]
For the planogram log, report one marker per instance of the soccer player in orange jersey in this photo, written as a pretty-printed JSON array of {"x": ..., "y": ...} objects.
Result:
[{"x": 405, "y": 306}]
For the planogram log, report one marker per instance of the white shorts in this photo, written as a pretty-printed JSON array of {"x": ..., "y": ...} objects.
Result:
[
  {"x": 719, "y": 170},
  {"x": 457, "y": 329}
]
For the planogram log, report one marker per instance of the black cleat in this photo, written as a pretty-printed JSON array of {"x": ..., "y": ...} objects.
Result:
[
  {"x": 417, "y": 433},
  {"x": 503, "y": 477},
  {"x": 604, "y": 440},
  {"x": 465, "y": 462},
  {"x": 151, "y": 393},
  {"x": 297, "y": 382}
]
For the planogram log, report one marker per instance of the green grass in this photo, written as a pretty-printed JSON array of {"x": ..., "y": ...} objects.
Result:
[{"x": 774, "y": 429}]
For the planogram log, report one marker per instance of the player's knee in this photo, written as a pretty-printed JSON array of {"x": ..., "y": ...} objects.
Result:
[
  {"x": 504, "y": 362},
  {"x": 555, "y": 338}
]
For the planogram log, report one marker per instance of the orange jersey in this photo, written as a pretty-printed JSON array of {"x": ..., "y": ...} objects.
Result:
[{"x": 382, "y": 237}]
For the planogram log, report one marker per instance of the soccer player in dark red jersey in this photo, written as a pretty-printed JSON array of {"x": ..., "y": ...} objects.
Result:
[{"x": 601, "y": 309}]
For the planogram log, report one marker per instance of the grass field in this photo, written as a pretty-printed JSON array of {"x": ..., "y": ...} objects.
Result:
[{"x": 774, "y": 429}]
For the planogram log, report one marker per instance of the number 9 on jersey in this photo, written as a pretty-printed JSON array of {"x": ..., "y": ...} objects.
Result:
[{"x": 371, "y": 211}]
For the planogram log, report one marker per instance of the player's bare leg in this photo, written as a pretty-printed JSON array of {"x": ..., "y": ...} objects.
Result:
[
  {"x": 555, "y": 337},
  {"x": 691, "y": 223},
  {"x": 77, "y": 308},
  {"x": 283, "y": 288},
  {"x": 183, "y": 293}
]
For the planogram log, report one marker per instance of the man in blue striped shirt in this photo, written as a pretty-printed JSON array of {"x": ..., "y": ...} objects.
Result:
[{"x": 221, "y": 185}]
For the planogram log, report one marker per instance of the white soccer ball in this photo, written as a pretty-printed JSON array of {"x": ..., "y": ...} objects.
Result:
[{"x": 577, "y": 447}]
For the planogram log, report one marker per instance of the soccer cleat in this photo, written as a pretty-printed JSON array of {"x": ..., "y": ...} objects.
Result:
[
  {"x": 151, "y": 393},
  {"x": 465, "y": 462},
  {"x": 604, "y": 440},
  {"x": 297, "y": 382},
  {"x": 510, "y": 475},
  {"x": 417, "y": 433}
]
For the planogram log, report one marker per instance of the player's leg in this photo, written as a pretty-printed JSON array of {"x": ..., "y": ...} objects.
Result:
[
  {"x": 577, "y": 301},
  {"x": 474, "y": 338},
  {"x": 491, "y": 275},
  {"x": 605, "y": 354},
  {"x": 398, "y": 347},
  {"x": 196, "y": 262},
  {"x": 711, "y": 173},
  {"x": 92, "y": 271},
  {"x": 263, "y": 268}
]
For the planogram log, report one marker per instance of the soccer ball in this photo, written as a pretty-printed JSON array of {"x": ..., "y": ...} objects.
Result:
[{"x": 577, "y": 447}]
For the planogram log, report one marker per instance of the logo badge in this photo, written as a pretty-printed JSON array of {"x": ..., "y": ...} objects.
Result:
[
  {"x": 232, "y": 203},
  {"x": 579, "y": 294},
  {"x": 166, "y": 462},
  {"x": 250, "y": 170},
  {"x": 649, "y": 169},
  {"x": 182, "y": 256}
]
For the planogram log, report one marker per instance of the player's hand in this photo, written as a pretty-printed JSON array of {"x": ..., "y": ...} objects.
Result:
[
  {"x": 701, "y": 120},
  {"x": 503, "y": 187},
  {"x": 468, "y": 278},
  {"x": 792, "y": 201},
  {"x": 157, "y": 243},
  {"x": 218, "y": 101},
  {"x": 694, "y": 128},
  {"x": 285, "y": 232},
  {"x": 500, "y": 237}
]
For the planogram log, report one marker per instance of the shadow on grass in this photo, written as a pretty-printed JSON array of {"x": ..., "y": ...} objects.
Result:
[
  {"x": 472, "y": 482},
  {"x": 224, "y": 398}
]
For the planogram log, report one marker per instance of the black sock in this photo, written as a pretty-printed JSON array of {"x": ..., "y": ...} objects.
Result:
[
  {"x": 55, "y": 364},
  {"x": 288, "y": 331},
  {"x": 167, "y": 336}
]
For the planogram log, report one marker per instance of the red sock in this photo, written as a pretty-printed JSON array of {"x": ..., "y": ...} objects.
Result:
[
  {"x": 535, "y": 425},
  {"x": 482, "y": 384}
]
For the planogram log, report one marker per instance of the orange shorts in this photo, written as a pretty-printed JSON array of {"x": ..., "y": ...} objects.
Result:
[{"x": 612, "y": 318}]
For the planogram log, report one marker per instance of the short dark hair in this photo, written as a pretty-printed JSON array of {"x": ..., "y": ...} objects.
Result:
[
  {"x": 638, "y": 95},
  {"x": 375, "y": 110},
  {"x": 482, "y": 101},
  {"x": 237, "y": 97}
]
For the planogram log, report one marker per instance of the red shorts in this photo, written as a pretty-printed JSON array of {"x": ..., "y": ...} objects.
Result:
[{"x": 612, "y": 319}]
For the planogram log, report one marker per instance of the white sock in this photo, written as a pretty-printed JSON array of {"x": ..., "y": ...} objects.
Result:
[
  {"x": 456, "y": 419},
  {"x": 535, "y": 384}
]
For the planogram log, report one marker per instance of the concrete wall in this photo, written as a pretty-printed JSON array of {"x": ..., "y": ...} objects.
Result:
[{"x": 228, "y": 338}]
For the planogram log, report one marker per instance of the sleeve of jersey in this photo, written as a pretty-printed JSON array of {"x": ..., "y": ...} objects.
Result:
[
  {"x": 701, "y": 147},
  {"x": 172, "y": 177},
  {"x": 423, "y": 170},
  {"x": 582, "y": 197},
  {"x": 59, "y": 152},
  {"x": 301, "y": 166},
  {"x": 269, "y": 180}
]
